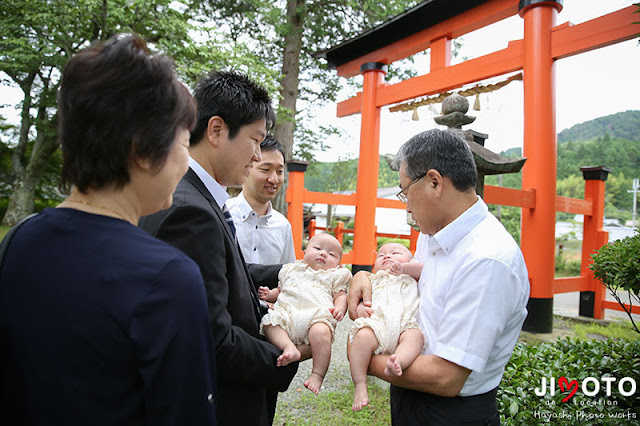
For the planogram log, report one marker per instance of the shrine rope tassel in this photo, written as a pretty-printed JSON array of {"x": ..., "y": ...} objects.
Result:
[{"x": 476, "y": 90}]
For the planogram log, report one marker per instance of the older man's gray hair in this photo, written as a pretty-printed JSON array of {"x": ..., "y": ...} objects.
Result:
[{"x": 442, "y": 151}]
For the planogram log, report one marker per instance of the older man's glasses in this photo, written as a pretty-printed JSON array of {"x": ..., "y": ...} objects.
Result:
[{"x": 402, "y": 195}]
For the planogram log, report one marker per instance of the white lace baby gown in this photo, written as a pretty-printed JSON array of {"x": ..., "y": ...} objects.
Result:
[
  {"x": 305, "y": 298},
  {"x": 394, "y": 301}
]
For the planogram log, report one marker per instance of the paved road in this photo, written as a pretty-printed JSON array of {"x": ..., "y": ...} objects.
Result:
[
  {"x": 566, "y": 304},
  {"x": 338, "y": 376}
]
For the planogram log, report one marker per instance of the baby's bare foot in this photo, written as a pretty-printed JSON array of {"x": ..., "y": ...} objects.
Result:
[
  {"x": 393, "y": 367},
  {"x": 360, "y": 397},
  {"x": 289, "y": 355},
  {"x": 314, "y": 382}
]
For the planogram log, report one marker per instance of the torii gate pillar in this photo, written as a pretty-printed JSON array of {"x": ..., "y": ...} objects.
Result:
[
  {"x": 538, "y": 224},
  {"x": 364, "y": 236}
]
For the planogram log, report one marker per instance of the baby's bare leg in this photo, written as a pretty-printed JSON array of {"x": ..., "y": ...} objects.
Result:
[
  {"x": 281, "y": 340},
  {"x": 364, "y": 343},
  {"x": 409, "y": 347},
  {"x": 320, "y": 341}
]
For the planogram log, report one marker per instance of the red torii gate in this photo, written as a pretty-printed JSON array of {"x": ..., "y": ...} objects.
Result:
[{"x": 432, "y": 25}]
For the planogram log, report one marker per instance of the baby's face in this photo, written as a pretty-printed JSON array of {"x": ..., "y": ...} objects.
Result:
[
  {"x": 323, "y": 252},
  {"x": 389, "y": 253}
]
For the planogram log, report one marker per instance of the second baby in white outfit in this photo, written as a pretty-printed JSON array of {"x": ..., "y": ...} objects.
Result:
[{"x": 389, "y": 326}]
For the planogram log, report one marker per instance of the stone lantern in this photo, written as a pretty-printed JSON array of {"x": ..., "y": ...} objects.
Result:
[{"x": 454, "y": 116}]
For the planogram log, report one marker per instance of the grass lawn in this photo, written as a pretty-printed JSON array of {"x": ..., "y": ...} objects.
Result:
[{"x": 331, "y": 408}]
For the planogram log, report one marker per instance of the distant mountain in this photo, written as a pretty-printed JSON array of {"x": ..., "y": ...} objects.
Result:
[
  {"x": 622, "y": 125},
  {"x": 512, "y": 152}
]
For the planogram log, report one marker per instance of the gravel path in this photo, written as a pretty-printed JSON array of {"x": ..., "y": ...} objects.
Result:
[{"x": 338, "y": 377}]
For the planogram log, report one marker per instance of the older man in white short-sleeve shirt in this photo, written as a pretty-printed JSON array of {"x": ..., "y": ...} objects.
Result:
[{"x": 473, "y": 289}]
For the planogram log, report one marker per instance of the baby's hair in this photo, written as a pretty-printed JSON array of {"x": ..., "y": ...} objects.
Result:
[
  {"x": 327, "y": 235},
  {"x": 401, "y": 245}
]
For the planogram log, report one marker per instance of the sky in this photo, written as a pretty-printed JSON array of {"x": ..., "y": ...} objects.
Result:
[{"x": 589, "y": 85}]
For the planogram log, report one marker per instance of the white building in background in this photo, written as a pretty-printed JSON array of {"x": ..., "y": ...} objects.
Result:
[
  {"x": 388, "y": 221},
  {"x": 616, "y": 230}
]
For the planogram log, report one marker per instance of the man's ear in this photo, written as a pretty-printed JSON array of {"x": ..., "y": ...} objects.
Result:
[
  {"x": 215, "y": 129},
  {"x": 435, "y": 181}
]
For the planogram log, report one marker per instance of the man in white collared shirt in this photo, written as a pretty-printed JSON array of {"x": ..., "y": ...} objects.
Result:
[
  {"x": 473, "y": 288},
  {"x": 264, "y": 234}
]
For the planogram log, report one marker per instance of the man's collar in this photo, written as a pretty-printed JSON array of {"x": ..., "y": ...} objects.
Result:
[
  {"x": 218, "y": 192},
  {"x": 246, "y": 209},
  {"x": 455, "y": 231}
]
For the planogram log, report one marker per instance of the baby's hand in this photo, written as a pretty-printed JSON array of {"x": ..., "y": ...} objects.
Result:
[
  {"x": 263, "y": 293},
  {"x": 363, "y": 311},
  {"x": 397, "y": 268},
  {"x": 337, "y": 313}
]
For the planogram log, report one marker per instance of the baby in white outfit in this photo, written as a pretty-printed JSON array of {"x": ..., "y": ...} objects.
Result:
[
  {"x": 310, "y": 299},
  {"x": 389, "y": 326}
]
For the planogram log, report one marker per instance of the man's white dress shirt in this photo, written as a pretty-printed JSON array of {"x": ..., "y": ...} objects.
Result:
[
  {"x": 217, "y": 191},
  {"x": 266, "y": 239},
  {"x": 474, "y": 290}
]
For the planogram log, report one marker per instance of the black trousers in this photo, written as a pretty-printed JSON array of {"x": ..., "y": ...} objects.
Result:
[{"x": 409, "y": 407}]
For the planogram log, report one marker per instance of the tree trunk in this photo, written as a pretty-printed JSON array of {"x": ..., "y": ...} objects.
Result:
[
  {"x": 17, "y": 157},
  {"x": 22, "y": 198},
  {"x": 286, "y": 125}
]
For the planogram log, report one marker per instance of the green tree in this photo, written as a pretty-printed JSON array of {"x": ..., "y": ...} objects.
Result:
[
  {"x": 571, "y": 186},
  {"x": 387, "y": 178},
  {"x": 286, "y": 33},
  {"x": 39, "y": 36}
]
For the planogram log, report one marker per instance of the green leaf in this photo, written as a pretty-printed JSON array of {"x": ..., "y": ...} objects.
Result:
[{"x": 513, "y": 408}]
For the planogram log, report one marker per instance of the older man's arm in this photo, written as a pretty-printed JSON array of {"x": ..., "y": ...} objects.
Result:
[
  {"x": 360, "y": 290},
  {"x": 428, "y": 373}
]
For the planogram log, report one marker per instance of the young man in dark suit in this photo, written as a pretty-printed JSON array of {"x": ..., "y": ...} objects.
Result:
[{"x": 234, "y": 115}]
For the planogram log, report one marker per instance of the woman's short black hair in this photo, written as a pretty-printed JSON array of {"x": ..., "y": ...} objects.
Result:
[
  {"x": 233, "y": 97},
  {"x": 118, "y": 103}
]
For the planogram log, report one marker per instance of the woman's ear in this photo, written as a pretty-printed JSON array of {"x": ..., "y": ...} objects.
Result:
[{"x": 143, "y": 164}]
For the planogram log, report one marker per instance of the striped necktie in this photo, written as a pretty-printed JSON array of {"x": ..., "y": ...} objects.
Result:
[
  {"x": 229, "y": 219},
  {"x": 254, "y": 297}
]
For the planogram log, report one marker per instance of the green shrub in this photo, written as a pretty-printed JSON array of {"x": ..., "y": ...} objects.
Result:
[
  {"x": 617, "y": 265},
  {"x": 519, "y": 404},
  {"x": 566, "y": 267}
]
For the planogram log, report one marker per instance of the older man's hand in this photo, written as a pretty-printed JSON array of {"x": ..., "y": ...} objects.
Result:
[{"x": 360, "y": 290}]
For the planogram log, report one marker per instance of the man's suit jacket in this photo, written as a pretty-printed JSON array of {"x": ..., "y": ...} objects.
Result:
[{"x": 248, "y": 379}]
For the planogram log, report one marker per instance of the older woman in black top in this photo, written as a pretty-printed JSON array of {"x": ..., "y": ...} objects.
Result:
[{"x": 100, "y": 323}]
